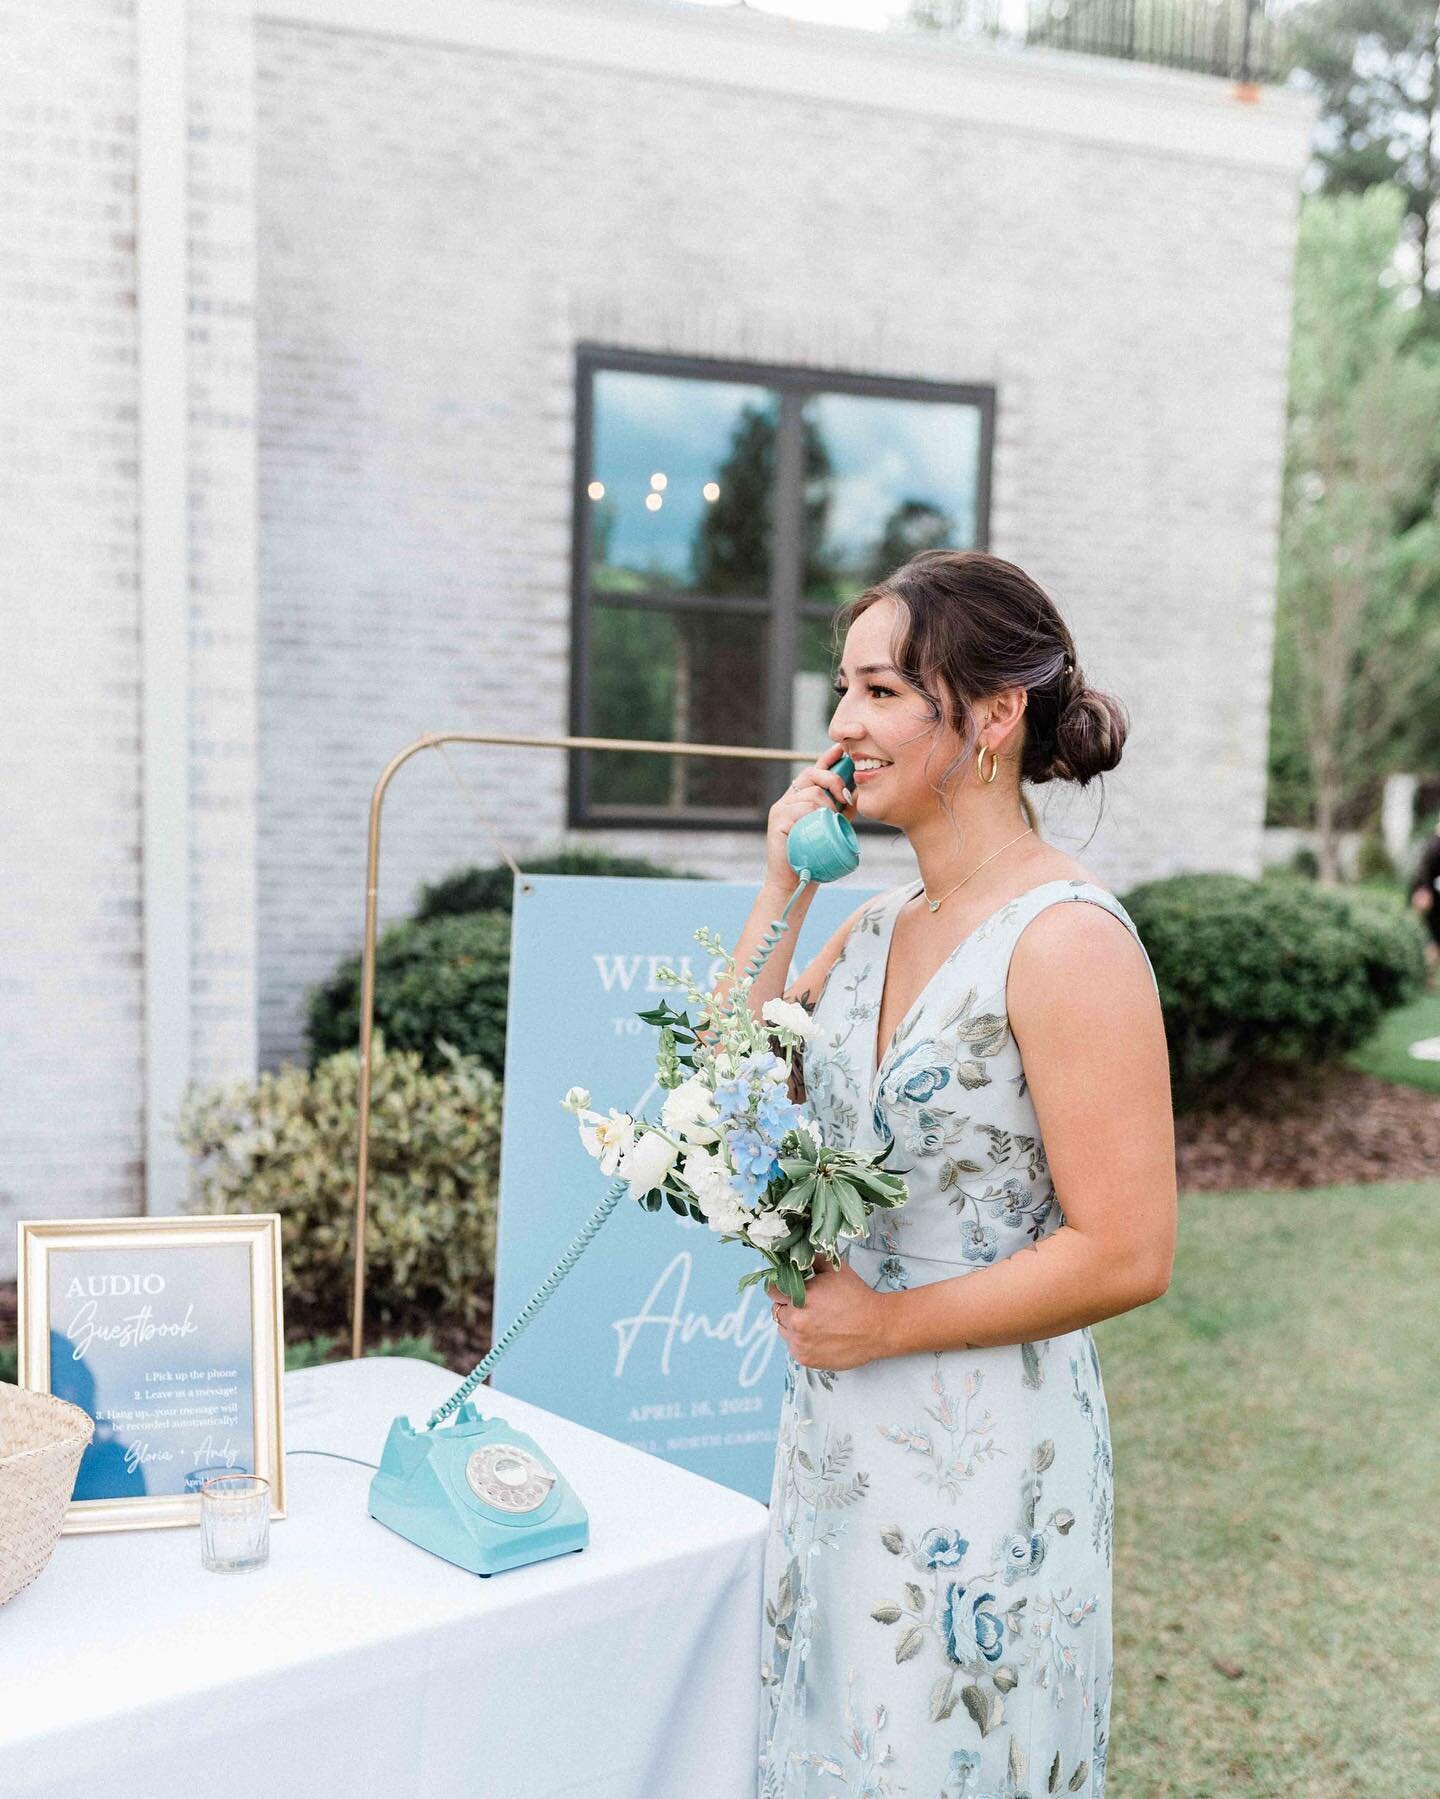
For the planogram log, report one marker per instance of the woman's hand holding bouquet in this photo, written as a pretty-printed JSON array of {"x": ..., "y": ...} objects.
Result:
[{"x": 731, "y": 1150}]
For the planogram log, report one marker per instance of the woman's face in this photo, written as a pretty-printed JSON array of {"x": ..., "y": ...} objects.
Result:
[{"x": 879, "y": 717}]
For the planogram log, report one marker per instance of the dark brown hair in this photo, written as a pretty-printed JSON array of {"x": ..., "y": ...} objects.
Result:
[{"x": 969, "y": 625}]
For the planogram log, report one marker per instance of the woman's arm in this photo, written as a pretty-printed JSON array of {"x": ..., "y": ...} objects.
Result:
[
  {"x": 805, "y": 989},
  {"x": 1084, "y": 1012}
]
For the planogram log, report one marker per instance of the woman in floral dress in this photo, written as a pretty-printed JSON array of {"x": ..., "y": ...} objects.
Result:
[{"x": 938, "y": 1570}]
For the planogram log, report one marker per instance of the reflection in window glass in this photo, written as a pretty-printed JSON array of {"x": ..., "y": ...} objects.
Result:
[
  {"x": 681, "y": 485},
  {"x": 811, "y": 698},
  {"x": 883, "y": 480},
  {"x": 679, "y": 677}
]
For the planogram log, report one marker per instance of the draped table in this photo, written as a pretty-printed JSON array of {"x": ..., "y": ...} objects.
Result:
[{"x": 356, "y": 1664}]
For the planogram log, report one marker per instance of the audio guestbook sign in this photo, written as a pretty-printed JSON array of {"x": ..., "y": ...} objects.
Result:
[{"x": 167, "y": 1333}]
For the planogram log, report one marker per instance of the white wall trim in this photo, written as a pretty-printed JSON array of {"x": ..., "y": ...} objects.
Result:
[
  {"x": 162, "y": 294},
  {"x": 1034, "y": 90}
]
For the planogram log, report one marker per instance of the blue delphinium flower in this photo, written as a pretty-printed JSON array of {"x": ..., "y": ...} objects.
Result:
[
  {"x": 776, "y": 1114},
  {"x": 749, "y": 1187},
  {"x": 765, "y": 1066},
  {"x": 752, "y": 1155},
  {"x": 732, "y": 1098}
]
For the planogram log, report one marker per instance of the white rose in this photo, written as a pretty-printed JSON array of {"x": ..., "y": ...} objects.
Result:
[
  {"x": 709, "y": 1180},
  {"x": 727, "y": 1216},
  {"x": 705, "y": 1176},
  {"x": 785, "y": 1014},
  {"x": 607, "y": 1139},
  {"x": 767, "y": 1228},
  {"x": 689, "y": 1110},
  {"x": 646, "y": 1163}
]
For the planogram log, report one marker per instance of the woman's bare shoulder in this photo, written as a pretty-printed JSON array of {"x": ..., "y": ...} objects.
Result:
[{"x": 1055, "y": 865}]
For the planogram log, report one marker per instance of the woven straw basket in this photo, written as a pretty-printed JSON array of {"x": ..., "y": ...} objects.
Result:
[{"x": 41, "y": 1442}]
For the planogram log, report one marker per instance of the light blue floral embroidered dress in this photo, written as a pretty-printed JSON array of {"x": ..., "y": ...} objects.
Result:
[{"x": 937, "y": 1571}]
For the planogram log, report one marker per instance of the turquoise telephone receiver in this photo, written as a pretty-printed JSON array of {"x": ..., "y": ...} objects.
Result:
[{"x": 480, "y": 1493}]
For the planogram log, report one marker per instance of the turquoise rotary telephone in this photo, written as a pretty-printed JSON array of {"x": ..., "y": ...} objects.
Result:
[{"x": 480, "y": 1493}]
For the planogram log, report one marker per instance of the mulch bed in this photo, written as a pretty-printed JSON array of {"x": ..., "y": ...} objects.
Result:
[{"x": 1338, "y": 1128}]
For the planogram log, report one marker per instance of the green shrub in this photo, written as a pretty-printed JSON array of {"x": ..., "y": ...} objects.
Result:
[
  {"x": 1263, "y": 973},
  {"x": 493, "y": 889},
  {"x": 445, "y": 975},
  {"x": 332, "y": 1346},
  {"x": 288, "y": 1144},
  {"x": 1373, "y": 862},
  {"x": 446, "y": 980}
]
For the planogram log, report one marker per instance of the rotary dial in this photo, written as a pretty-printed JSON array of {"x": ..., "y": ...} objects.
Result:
[{"x": 508, "y": 1477}]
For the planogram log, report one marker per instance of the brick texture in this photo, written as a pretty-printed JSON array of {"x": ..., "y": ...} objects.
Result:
[
  {"x": 72, "y": 1047},
  {"x": 394, "y": 248},
  {"x": 440, "y": 226},
  {"x": 70, "y": 976}
]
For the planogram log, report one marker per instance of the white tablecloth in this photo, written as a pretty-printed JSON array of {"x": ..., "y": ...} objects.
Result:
[{"x": 355, "y": 1663}]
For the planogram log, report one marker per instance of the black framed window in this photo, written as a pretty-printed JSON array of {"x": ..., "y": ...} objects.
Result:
[{"x": 722, "y": 512}]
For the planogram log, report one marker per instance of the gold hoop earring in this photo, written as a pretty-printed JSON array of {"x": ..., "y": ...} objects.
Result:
[{"x": 980, "y": 764}]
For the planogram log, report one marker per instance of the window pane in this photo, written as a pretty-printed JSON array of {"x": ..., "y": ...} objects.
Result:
[
  {"x": 884, "y": 479},
  {"x": 811, "y": 699},
  {"x": 681, "y": 677},
  {"x": 680, "y": 487}
]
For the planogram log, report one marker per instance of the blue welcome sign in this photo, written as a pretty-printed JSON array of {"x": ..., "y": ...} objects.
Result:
[{"x": 647, "y": 1338}]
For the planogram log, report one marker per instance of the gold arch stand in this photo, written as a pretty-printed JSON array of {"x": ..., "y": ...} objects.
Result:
[{"x": 431, "y": 741}]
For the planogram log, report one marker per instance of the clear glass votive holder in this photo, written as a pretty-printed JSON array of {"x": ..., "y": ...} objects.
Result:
[{"x": 234, "y": 1523}]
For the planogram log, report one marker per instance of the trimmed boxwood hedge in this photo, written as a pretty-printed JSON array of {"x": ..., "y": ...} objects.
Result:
[
  {"x": 444, "y": 980},
  {"x": 445, "y": 974},
  {"x": 1252, "y": 974},
  {"x": 1277, "y": 972},
  {"x": 493, "y": 889}
]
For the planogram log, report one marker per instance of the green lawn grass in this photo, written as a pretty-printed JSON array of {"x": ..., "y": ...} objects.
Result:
[
  {"x": 1277, "y": 1464},
  {"x": 1386, "y": 1054}
]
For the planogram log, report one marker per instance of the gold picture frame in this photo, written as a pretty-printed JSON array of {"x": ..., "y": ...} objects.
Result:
[{"x": 162, "y": 1384}]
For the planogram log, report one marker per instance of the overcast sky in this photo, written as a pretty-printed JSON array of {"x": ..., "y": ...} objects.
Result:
[
  {"x": 870, "y": 15},
  {"x": 867, "y": 15}
]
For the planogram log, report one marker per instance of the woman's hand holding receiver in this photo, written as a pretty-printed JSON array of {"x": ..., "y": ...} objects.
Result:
[{"x": 804, "y": 794}]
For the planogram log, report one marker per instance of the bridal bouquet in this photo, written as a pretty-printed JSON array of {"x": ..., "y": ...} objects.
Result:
[{"x": 731, "y": 1150}]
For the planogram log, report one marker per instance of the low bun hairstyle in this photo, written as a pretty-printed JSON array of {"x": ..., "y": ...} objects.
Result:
[{"x": 971, "y": 624}]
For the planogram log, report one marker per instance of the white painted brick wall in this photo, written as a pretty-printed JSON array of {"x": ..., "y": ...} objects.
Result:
[
  {"x": 70, "y": 987},
  {"x": 403, "y": 242},
  {"x": 72, "y": 1046},
  {"x": 224, "y": 756},
  {"x": 439, "y": 226}
]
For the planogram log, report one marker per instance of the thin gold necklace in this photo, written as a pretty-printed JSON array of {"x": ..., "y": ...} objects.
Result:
[{"x": 935, "y": 905}]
